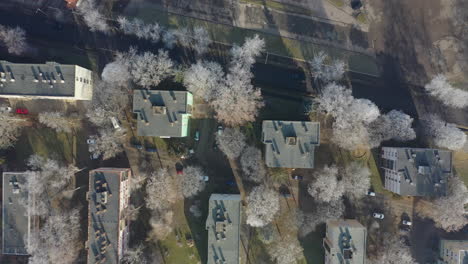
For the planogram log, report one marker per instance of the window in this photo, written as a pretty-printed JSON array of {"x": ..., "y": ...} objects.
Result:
[{"x": 81, "y": 79}]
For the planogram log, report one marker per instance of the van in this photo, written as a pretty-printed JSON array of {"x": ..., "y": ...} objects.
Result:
[{"x": 115, "y": 123}]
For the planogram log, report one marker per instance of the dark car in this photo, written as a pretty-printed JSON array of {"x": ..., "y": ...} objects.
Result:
[
  {"x": 297, "y": 177},
  {"x": 137, "y": 146},
  {"x": 151, "y": 149},
  {"x": 231, "y": 183},
  {"x": 180, "y": 170},
  {"x": 22, "y": 111}
]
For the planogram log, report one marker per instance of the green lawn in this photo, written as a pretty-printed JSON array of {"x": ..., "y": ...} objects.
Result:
[
  {"x": 280, "y": 6},
  {"x": 313, "y": 250}
]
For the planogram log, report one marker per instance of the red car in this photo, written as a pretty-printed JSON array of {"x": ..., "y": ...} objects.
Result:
[{"x": 22, "y": 111}]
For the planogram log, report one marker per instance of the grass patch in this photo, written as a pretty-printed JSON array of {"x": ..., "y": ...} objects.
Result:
[
  {"x": 280, "y": 6},
  {"x": 362, "y": 18},
  {"x": 460, "y": 164},
  {"x": 313, "y": 250},
  {"x": 337, "y": 3}
]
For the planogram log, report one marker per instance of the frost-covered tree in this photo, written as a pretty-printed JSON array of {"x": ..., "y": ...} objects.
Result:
[
  {"x": 356, "y": 180},
  {"x": 325, "y": 187},
  {"x": 92, "y": 16},
  {"x": 394, "y": 251},
  {"x": 231, "y": 142},
  {"x": 58, "y": 241},
  {"x": 246, "y": 54},
  {"x": 56, "y": 121},
  {"x": 161, "y": 190},
  {"x": 237, "y": 101},
  {"x": 161, "y": 223},
  {"x": 192, "y": 181},
  {"x": 326, "y": 69},
  {"x": 440, "y": 88},
  {"x": 286, "y": 251},
  {"x": 183, "y": 37},
  {"x": 116, "y": 73},
  {"x": 109, "y": 100},
  {"x": 308, "y": 222},
  {"x": 449, "y": 212},
  {"x": 149, "y": 69},
  {"x": 262, "y": 206},
  {"x": 14, "y": 39},
  {"x": 138, "y": 28},
  {"x": 201, "y": 40},
  {"x": 9, "y": 129},
  {"x": 394, "y": 125},
  {"x": 203, "y": 78},
  {"x": 445, "y": 135},
  {"x": 169, "y": 39},
  {"x": 109, "y": 143},
  {"x": 252, "y": 165},
  {"x": 134, "y": 255}
]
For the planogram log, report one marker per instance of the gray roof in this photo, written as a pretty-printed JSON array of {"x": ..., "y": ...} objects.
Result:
[
  {"x": 453, "y": 252},
  {"x": 223, "y": 224},
  {"x": 346, "y": 240},
  {"x": 103, "y": 217},
  {"x": 57, "y": 80},
  {"x": 16, "y": 221},
  {"x": 161, "y": 113},
  {"x": 424, "y": 172},
  {"x": 290, "y": 144}
]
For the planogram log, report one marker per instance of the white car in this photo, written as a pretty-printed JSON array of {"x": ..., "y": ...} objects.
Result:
[
  {"x": 378, "y": 216},
  {"x": 94, "y": 156},
  {"x": 369, "y": 193},
  {"x": 5, "y": 109},
  {"x": 115, "y": 123},
  {"x": 205, "y": 178},
  {"x": 91, "y": 141},
  {"x": 407, "y": 223}
]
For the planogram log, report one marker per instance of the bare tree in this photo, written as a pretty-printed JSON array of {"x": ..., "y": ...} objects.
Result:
[
  {"x": 237, "y": 101},
  {"x": 356, "y": 180},
  {"x": 394, "y": 251},
  {"x": 231, "y": 142},
  {"x": 92, "y": 17},
  {"x": 445, "y": 135},
  {"x": 286, "y": 251},
  {"x": 108, "y": 143},
  {"x": 449, "y": 212},
  {"x": 252, "y": 164},
  {"x": 203, "y": 78},
  {"x": 134, "y": 255},
  {"x": 138, "y": 28},
  {"x": 192, "y": 181},
  {"x": 56, "y": 121},
  {"x": 14, "y": 39},
  {"x": 9, "y": 130},
  {"x": 325, "y": 187},
  {"x": 57, "y": 241},
  {"x": 394, "y": 125},
  {"x": 161, "y": 223},
  {"x": 262, "y": 206},
  {"x": 149, "y": 69},
  {"x": 326, "y": 69},
  {"x": 195, "y": 209},
  {"x": 201, "y": 40},
  {"x": 161, "y": 191},
  {"x": 308, "y": 222},
  {"x": 440, "y": 88}
]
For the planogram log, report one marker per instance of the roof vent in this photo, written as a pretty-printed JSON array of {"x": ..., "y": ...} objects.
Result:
[
  {"x": 157, "y": 110},
  {"x": 424, "y": 170},
  {"x": 291, "y": 141}
]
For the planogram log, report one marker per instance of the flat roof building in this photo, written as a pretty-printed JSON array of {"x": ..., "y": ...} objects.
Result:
[
  {"x": 453, "y": 252},
  {"x": 290, "y": 144},
  {"x": 416, "y": 171},
  {"x": 162, "y": 113},
  {"x": 45, "y": 81},
  {"x": 223, "y": 225},
  {"x": 345, "y": 242},
  {"x": 108, "y": 231},
  {"x": 16, "y": 219}
]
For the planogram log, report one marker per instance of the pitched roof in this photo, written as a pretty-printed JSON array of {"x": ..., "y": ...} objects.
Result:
[
  {"x": 15, "y": 218},
  {"x": 424, "y": 172},
  {"x": 290, "y": 144},
  {"x": 162, "y": 113},
  {"x": 347, "y": 242},
  {"x": 223, "y": 224}
]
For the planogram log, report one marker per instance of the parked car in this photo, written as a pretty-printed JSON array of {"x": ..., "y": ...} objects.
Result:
[
  {"x": 22, "y": 111},
  {"x": 179, "y": 170},
  {"x": 5, "y": 109},
  {"x": 197, "y": 135},
  {"x": 91, "y": 141},
  {"x": 407, "y": 223},
  {"x": 378, "y": 215},
  {"x": 231, "y": 183},
  {"x": 137, "y": 146},
  {"x": 220, "y": 129},
  {"x": 115, "y": 123},
  {"x": 286, "y": 195},
  {"x": 297, "y": 177},
  {"x": 205, "y": 178},
  {"x": 151, "y": 149},
  {"x": 371, "y": 193},
  {"x": 94, "y": 156}
]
